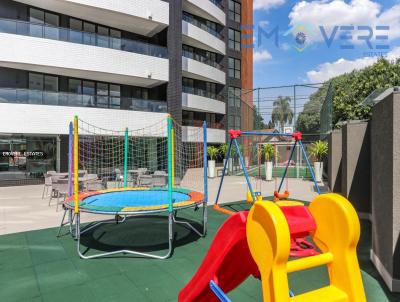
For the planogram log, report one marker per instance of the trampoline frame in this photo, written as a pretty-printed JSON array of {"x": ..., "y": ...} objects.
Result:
[{"x": 75, "y": 229}]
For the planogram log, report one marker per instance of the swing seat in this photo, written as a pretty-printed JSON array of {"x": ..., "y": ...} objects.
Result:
[
  {"x": 301, "y": 224},
  {"x": 279, "y": 196}
]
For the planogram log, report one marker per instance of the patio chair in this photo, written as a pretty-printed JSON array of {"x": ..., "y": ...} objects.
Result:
[
  {"x": 145, "y": 181},
  {"x": 47, "y": 184},
  {"x": 119, "y": 178},
  {"x": 60, "y": 188},
  {"x": 159, "y": 180}
]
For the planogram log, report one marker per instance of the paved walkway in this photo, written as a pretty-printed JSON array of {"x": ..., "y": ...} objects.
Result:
[{"x": 23, "y": 209}]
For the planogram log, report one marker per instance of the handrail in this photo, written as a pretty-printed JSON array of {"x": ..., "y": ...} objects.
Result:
[
  {"x": 201, "y": 59},
  {"x": 190, "y": 19},
  {"x": 39, "y": 97},
  {"x": 309, "y": 262},
  {"x": 203, "y": 92},
  {"x": 80, "y": 37}
]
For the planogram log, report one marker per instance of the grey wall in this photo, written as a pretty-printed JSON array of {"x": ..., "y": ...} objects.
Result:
[
  {"x": 385, "y": 189},
  {"x": 356, "y": 181},
  {"x": 335, "y": 161}
]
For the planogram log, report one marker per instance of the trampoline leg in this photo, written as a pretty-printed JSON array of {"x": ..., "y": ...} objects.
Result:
[
  {"x": 147, "y": 255},
  {"x": 62, "y": 223},
  {"x": 205, "y": 218}
]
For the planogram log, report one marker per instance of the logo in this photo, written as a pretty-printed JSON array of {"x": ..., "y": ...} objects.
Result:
[{"x": 302, "y": 33}]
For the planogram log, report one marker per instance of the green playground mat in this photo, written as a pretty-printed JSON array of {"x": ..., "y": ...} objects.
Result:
[{"x": 38, "y": 266}]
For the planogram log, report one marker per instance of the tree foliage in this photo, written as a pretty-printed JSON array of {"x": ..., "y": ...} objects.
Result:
[
  {"x": 350, "y": 90},
  {"x": 282, "y": 112}
]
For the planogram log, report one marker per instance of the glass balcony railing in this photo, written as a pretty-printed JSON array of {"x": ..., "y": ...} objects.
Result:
[
  {"x": 203, "y": 93},
  {"x": 202, "y": 59},
  {"x": 217, "y": 3},
  {"x": 190, "y": 19},
  {"x": 80, "y": 37},
  {"x": 28, "y": 96},
  {"x": 196, "y": 123}
]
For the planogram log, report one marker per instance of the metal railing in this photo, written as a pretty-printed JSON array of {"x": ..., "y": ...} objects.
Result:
[
  {"x": 202, "y": 59},
  {"x": 39, "y": 97},
  {"x": 190, "y": 19},
  {"x": 80, "y": 37},
  {"x": 203, "y": 93}
]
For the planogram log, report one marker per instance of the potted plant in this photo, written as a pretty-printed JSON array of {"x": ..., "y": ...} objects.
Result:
[
  {"x": 269, "y": 153},
  {"x": 212, "y": 153},
  {"x": 319, "y": 150}
]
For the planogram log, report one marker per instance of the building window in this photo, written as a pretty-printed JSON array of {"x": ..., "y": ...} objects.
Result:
[
  {"x": 234, "y": 39},
  {"x": 234, "y": 97},
  {"x": 38, "y": 81},
  {"x": 234, "y": 68},
  {"x": 234, "y": 11},
  {"x": 41, "y": 17}
]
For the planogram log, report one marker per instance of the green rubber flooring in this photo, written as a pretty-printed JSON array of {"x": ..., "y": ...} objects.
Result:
[{"x": 38, "y": 266}]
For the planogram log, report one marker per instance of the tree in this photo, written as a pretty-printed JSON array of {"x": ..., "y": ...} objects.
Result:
[
  {"x": 258, "y": 120},
  {"x": 282, "y": 113}
]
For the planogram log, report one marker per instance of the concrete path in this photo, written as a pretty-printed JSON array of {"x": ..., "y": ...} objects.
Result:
[{"x": 23, "y": 209}]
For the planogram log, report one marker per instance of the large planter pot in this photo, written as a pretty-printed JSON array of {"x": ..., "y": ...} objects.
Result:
[
  {"x": 211, "y": 168},
  {"x": 268, "y": 170},
  {"x": 318, "y": 170}
]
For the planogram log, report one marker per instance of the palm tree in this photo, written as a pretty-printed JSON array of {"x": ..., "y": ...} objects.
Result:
[{"x": 282, "y": 113}]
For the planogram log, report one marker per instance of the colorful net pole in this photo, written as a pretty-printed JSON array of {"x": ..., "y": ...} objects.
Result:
[
  {"x": 70, "y": 157},
  {"x": 126, "y": 152},
  {"x": 173, "y": 156},
  {"x": 76, "y": 162},
  {"x": 205, "y": 176},
  {"x": 170, "y": 162}
]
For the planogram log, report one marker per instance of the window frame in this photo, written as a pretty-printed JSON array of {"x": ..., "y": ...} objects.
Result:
[
  {"x": 235, "y": 71},
  {"x": 235, "y": 12}
]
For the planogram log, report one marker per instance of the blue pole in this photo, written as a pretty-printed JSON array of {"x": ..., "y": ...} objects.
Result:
[
  {"x": 228, "y": 155},
  {"x": 222, "y": 297},
  {"x": 245, "y": 171},
  {"x": 70, "y": 151},
  {"x": 309, "y": 166},
  {"x": 287, "y": 166},
  {"x": 205, "y": 161}
]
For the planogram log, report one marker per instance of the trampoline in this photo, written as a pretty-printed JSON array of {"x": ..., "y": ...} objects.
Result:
[
  {"x": 129, "y": 202},
  {"x": 135, "y": 201}
]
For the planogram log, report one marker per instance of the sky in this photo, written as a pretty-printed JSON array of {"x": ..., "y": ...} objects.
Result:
[{"x": 316, "y": 41}]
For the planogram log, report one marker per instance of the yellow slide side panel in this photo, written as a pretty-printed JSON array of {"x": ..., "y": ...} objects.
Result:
[
  {"x": 268, "y": 238},
  {"x": 338, "y": 232}
]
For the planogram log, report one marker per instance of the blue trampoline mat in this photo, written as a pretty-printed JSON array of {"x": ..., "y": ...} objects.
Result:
[{"x": 134, "y": 198}]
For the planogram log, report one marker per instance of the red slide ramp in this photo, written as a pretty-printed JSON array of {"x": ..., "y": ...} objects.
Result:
[{"x": 228, "y": 262}]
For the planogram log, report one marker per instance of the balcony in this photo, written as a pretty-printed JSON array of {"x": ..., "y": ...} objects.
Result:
[
  {"x": 203, "y": 93},
  {"x": 79, "y": 37},
  {"x": 48, "y": 49},
  {"x": 38, "y": 97},
  {"x": 144, "y": 17},
  {"x": 211, "y": 10},
  {"x": 197, "y": 70},
  {"x": 194, "y": 102},
  {"x": 198, "y": 35}
]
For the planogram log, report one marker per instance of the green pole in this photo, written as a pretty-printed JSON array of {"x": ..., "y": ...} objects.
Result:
[
  {"x": 170, "y": 208},
  {"x": 126, "y": 147}
]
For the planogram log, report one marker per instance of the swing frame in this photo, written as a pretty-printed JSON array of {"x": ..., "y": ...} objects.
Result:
[{"x": 234, "y": 135}]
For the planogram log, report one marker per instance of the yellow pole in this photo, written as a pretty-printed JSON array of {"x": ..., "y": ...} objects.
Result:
[
  {"x": 76, "y": 158},
  {"x": 173, "y": 156}
]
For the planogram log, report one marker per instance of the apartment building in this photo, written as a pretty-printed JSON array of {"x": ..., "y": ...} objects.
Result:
[{"x": 117, "y": 64}]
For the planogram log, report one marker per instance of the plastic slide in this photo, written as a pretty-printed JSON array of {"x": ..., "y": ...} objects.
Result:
[{"x": 228, "y": 262}]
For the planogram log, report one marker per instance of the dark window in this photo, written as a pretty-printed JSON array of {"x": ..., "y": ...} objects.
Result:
[
  {"x": 75, "y": 86},
  {"x": 235, "y": 11},
  {"x": 234, "y": 68},
  {"x": 234, "y": 39}
]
